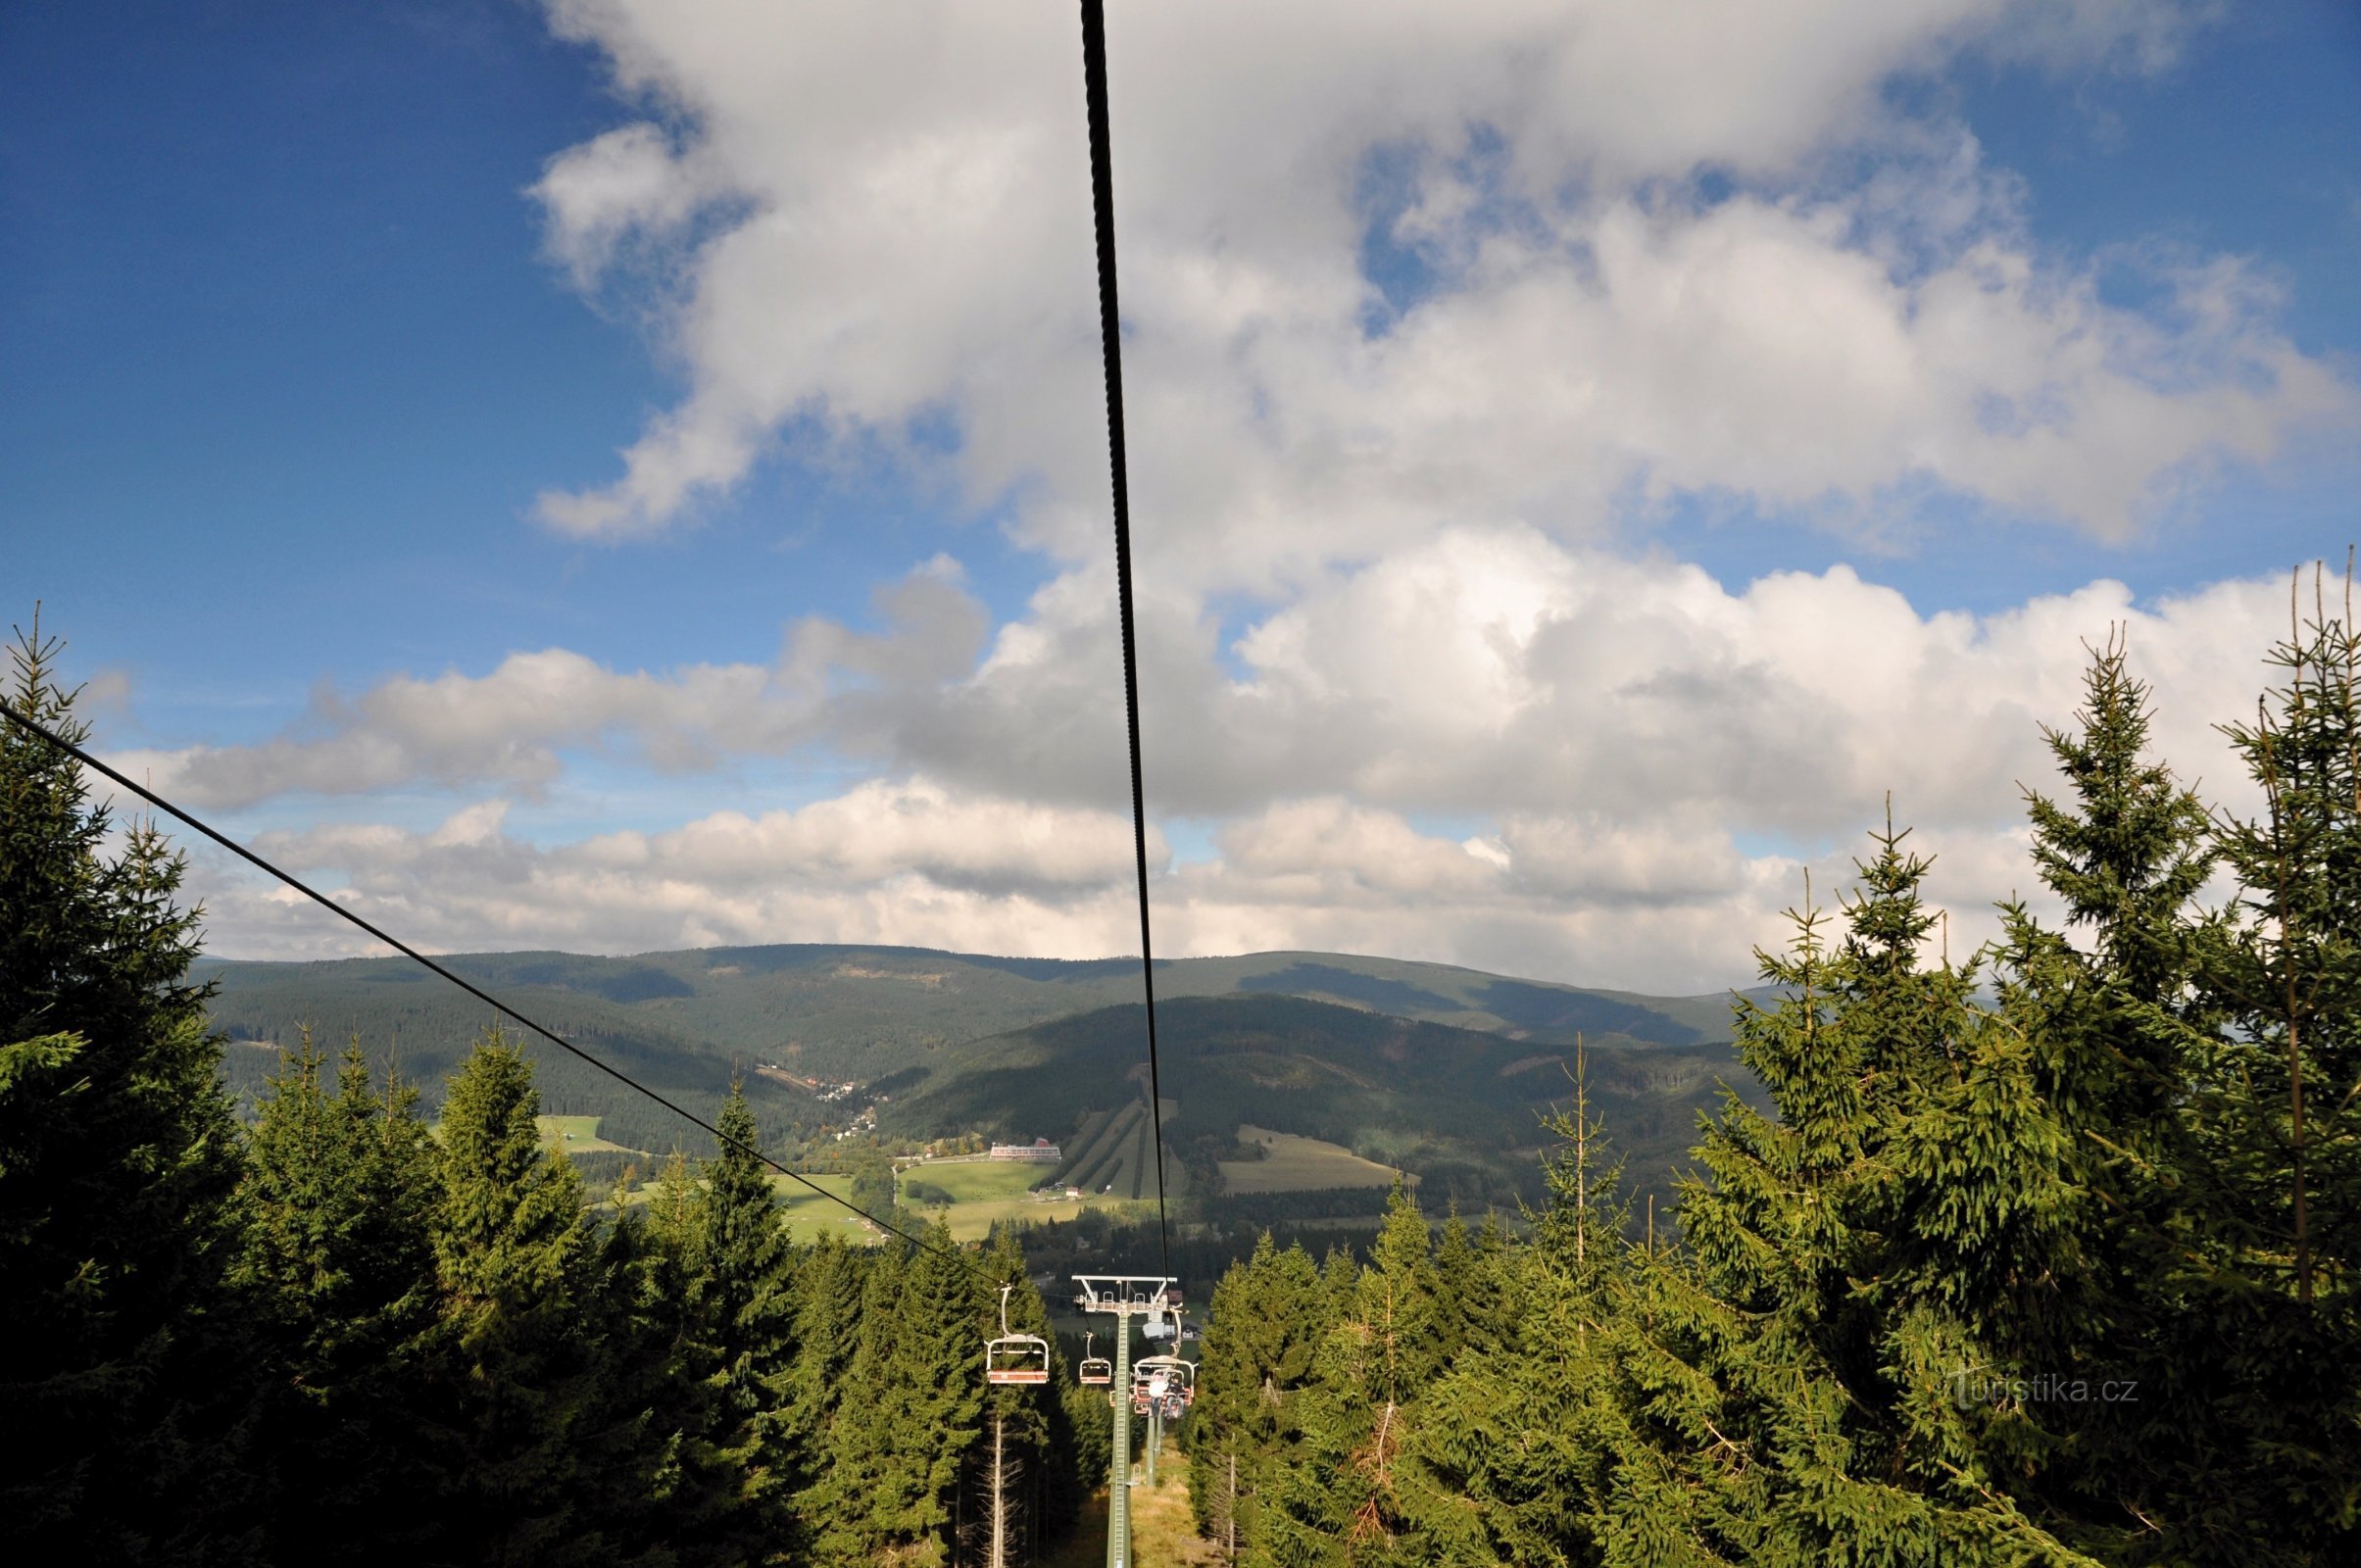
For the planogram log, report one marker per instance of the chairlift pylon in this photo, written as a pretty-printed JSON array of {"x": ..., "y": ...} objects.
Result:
[{"x": 1018, "y": 1359}]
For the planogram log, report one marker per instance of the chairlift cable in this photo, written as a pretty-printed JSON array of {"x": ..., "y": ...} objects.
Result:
[
  {"x": 1103, "y": 211},
  {"x": 497, "y": 1005}
]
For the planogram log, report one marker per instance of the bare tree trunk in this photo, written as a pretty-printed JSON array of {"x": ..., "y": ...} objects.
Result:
[{"x": 1000, "y": 1496}]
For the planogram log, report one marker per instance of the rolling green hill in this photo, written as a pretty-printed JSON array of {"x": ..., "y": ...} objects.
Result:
[
  {"x": 1459, "y": 1107},
  {"x": 1432, "y": 1066},
  {"x": 864, "y": 1012}
]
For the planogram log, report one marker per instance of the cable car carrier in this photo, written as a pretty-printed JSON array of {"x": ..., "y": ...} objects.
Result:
[
  {"x": 1096, "y": 1371},
  {"x": 1019, "y": 1358}
]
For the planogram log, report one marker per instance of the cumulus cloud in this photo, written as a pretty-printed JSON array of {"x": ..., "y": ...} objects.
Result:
[
  {"x": 904, "y": 861},
  {"x": 627, "y": 183},
  {"x": 1657, "y": 909},
  {"x": 1423, "y": 304},
  {"x": 513, "y": 725},
  {"x": 1485, "y": 672},
  {"x": 908, "y": 239},
  {"x": 1497, "y": 672},
  {"x": 1640, "y": 762}
]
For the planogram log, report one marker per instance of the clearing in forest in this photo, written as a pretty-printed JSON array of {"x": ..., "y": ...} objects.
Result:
[
  {"x": 1163, "y": 1532},
  {"x": 577, "y": 1134},
  {"x": 1294, "y": 1164},
  {"x": 810, "y": 1215},
  {"x": 984, "y": 1191}
]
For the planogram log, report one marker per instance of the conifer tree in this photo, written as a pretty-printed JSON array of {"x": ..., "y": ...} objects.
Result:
[
  {"x": 128, "y": 1373},
  {"x": 513, "y": 1376},
  {"x": 934, "y": 1398},
  {"x": 2122, "y": 1039},
  {"x": 741, "y": 1292},
  {"x": 339, "y": 1264},
  {"x": 1514, "y": 1447},
  {"x": 909, "y": 1413},
  {"x": 2276, "y": 1119},
  {"x": 829, "y": 1287},
  {"x": 1267, "y": 1321},
  {"x": 1023, "y": 1436},
  {"x": 842, "y": 1507},
  {"x": 1344, "y": 1502},
  {"x": 1794, "y": 1386},
  {"x": 1456, "y": 1288}
]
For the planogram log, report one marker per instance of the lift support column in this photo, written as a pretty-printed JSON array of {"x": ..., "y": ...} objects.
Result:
[
  {"x": 1118, "y": 1486},
  {"x": 1125, "y": 1296}
]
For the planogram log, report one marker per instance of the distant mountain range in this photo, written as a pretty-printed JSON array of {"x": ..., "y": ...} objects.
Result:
[{"x": 1433, "y": 1067}]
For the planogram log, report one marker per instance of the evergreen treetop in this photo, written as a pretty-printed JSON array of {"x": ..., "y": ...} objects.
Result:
[{"x": 119, "y": 1165}]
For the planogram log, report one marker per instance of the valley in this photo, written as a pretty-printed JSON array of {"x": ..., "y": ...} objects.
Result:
[{"x": 1297, "y": 1083}]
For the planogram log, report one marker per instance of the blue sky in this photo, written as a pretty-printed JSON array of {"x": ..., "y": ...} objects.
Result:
[{"x": 303, "y": 322}]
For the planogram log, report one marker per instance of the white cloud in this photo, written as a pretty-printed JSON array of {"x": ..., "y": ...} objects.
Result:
[
  {"x": 1494, "y": 672},
  {"x": 1487, "y": 672},
  {"x": 911, "y": 238},
  {"x": 511, "y": 725},
  {"x": 1373, "y": 596},
  {"x": 885, "y": 862},
  {"x": 1647, "y": 761},
  {"x": 913, "y": 864},
  {"x": 881, "y": 830},
  {"x": 624, "y": 184}
]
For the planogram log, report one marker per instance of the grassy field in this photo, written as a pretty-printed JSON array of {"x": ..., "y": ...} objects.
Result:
[
  {"x": 1292, "y": 1164},
  {"x": 577, "y": 1134},
  {"x": 987, "y": 1190},
  {"x": 808, "y": 1214}
]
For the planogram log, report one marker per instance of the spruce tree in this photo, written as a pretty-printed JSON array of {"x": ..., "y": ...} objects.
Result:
[
  {"x": 2123, "y": 1042},
  {"x": 513, "y": 1376},
  {"x": 1267, "y": 1322},
  {"x": 1344, "y": 1502},
  {"x": 840, "y": 1507},
  {"x": 933, "y": 1396},
  {"x": 908, "y": 1413},
  {"x": 1023, "y": 1436},
  {"x": 1798, "y": 1384},
  {"x": 2276, "y": 1119},
  {"x": 742, "y": 1293},
  {"x": 1514, "y": 1450},
  {"x": 1458, "y": 1289},
  {"x": 119, "y": 1161},
  {"x": 829, "y": 1287},
  {"x": 339, "y": 1266}
]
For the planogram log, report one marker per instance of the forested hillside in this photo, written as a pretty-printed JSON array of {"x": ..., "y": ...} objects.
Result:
[
  {"x": 1434, "y": 1068},
  {"x": 1461, "y": 1109}
]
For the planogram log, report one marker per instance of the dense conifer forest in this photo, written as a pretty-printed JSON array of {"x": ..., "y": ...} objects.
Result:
[{"x": 2042, "y": 1255}]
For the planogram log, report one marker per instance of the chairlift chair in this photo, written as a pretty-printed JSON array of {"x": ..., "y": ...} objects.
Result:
[
  {"x": 1149, "y": 1384},
  {"x": 1096, "y": 1370},
  {"x": 1165, "y": 1382},
  {"x": 1018, "y": 1359},
  {"x": 1171, "y": 1370}
]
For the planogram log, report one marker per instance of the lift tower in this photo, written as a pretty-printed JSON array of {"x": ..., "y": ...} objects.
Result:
[{"x": 1126, "y": 1296}]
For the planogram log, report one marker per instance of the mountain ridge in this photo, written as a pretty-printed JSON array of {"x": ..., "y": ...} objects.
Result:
[{"x": 948, "y": 1034}]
